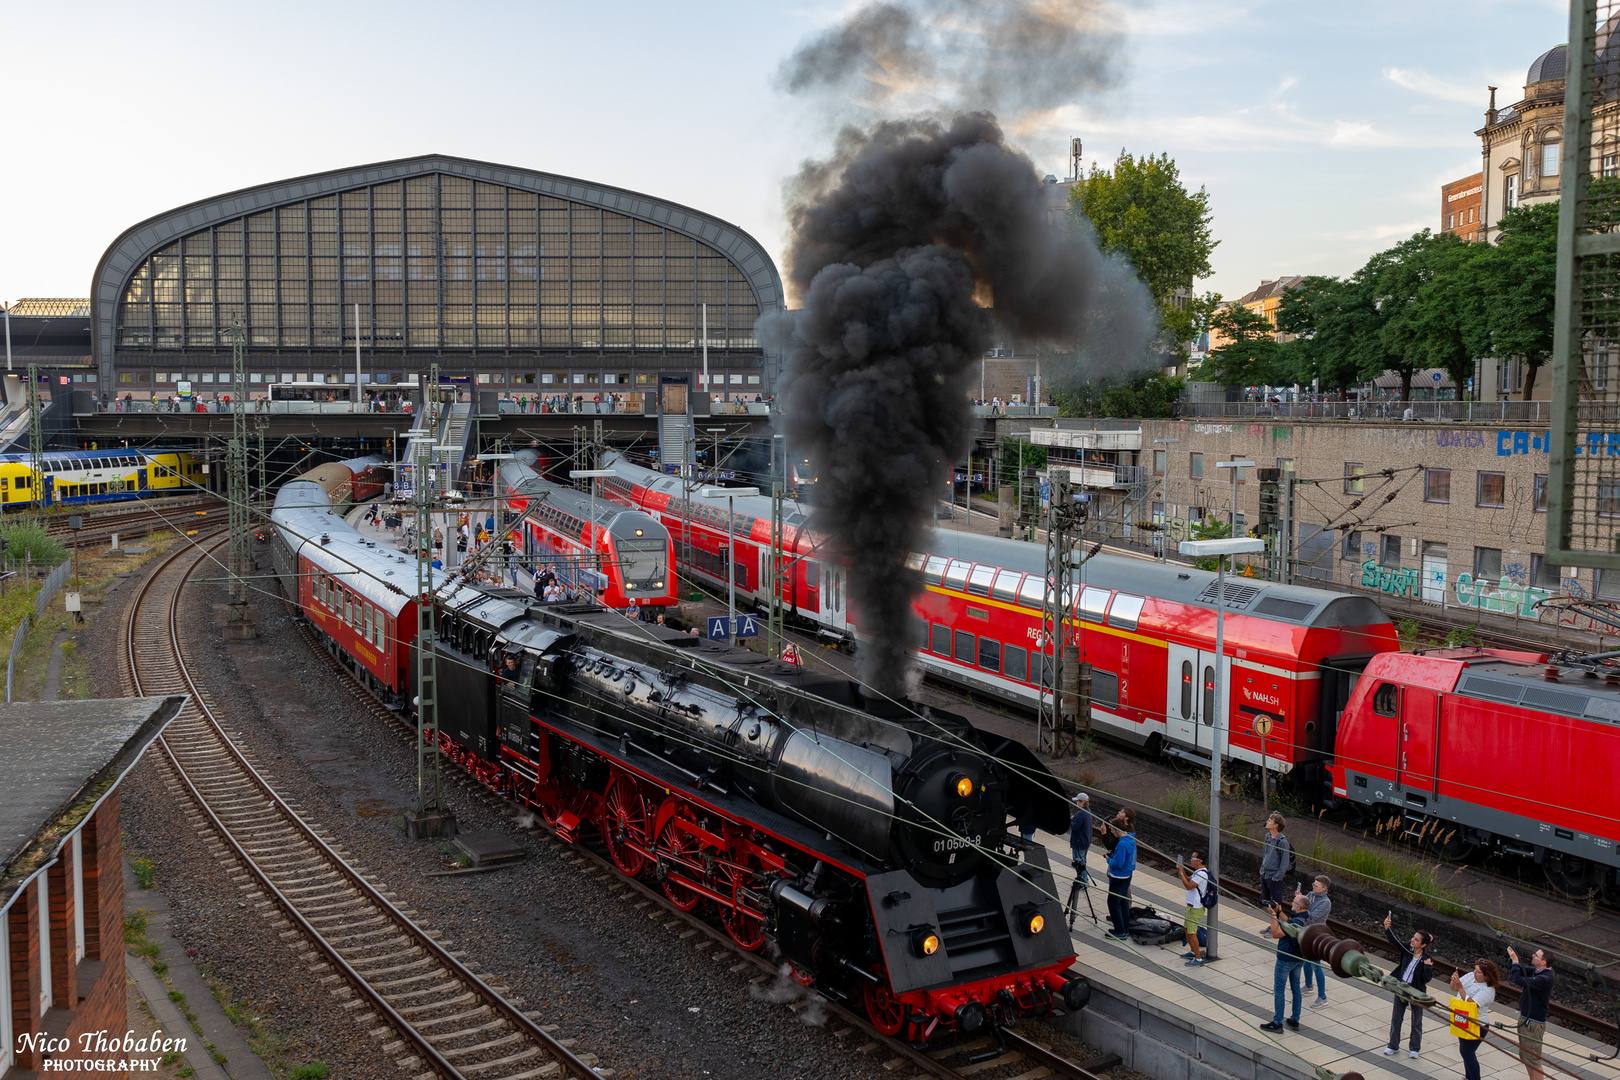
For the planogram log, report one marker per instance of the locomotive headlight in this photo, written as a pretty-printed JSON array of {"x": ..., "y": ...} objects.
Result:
[
  {"x": 925, "y": 941},
  {"x": 1037, "y": 923},
  {"x": 962, "y": 785},
  {"x": 1029, "y": 919}
]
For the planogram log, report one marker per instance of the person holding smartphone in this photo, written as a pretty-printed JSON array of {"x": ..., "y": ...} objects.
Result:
[
  {"x": 1195, "y": 879},
  {"x": 1121, "y": 866},
  {"x": 1413, "y": 970}
]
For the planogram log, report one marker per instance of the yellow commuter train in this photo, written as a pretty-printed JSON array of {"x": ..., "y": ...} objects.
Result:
[{"x": 72, "y": 477}]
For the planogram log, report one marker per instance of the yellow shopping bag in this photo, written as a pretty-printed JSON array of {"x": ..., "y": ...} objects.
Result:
[{"x": 1465, "y": 1019}]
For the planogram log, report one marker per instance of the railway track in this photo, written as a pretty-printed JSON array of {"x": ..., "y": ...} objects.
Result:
[
  {"x": 1019, "y": 1057},
  {"x": 449, "y": 1022},
  {"x": 163, "y": 515}
]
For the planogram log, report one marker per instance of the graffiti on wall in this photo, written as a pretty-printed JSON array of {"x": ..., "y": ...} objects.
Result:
[
  {"x": 1508, "y": 596},
  {"x": 1391, "y": 580}
]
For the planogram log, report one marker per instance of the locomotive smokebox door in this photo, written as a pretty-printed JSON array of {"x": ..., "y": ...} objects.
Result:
[{"x": 904, "y": 914}]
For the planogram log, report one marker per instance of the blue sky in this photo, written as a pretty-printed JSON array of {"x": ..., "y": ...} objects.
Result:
[{"x": 1322, "y": 132}]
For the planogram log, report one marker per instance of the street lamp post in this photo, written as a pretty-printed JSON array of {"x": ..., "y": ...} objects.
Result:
[
  {"x": 1163, "y": 547},
  {"x": 1218, "y": 549},
  {"x": 1235, "y": 466},
  {"x": 592, "y": 475},
  {"x": 731, "y": 495}
]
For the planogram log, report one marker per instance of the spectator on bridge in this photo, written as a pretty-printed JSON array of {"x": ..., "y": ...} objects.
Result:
[
  {"x": 1413, "y": 970},
  {"x": 1286, "y": 972},
  {"x": 1276, "y": 862},
  {"x": 1121, "y": 866},
  {"x": 1535, "y": 983},
  {"x": 1478, "y": 986},
  {"x": 1320, "y": 905}
]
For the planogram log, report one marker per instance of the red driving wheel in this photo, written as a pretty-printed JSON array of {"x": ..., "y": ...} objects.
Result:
[
  {"x": 678, "y": 845},
  {"x": 744, "y": 922},
  {"x": 624, "y": 823},
  {"x": 887, "y": 1012}
]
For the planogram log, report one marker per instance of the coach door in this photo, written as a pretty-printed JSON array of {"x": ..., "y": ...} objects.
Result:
[
  {"x": 1418, "y": 727},
  {"x": 1190, "y": 697},
  {"x": 832, "y": 596}
]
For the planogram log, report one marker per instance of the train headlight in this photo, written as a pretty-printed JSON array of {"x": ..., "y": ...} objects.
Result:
[
  {"x": 962, "y": 785},
  {"x": 925, "y": 941},
  {"x": 1028, "y": 919}
]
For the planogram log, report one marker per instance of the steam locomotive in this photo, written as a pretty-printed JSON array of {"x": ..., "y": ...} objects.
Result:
[{"x": 866, "y": 840}]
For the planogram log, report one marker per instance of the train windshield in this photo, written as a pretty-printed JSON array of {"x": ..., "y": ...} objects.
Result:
[{"x": 641, "y": 561}]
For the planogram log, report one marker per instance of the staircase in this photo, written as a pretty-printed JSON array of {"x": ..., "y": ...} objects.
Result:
[
  {"x": 674, "y": 429},
  {"x": 457, "y": 431}
]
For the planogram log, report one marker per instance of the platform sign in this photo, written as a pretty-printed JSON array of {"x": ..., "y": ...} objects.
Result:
[
  {"x": 747, "y": 626},
  {"x": 719, "y": 628}
]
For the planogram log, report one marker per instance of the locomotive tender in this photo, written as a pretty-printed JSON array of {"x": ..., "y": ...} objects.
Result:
[{"x": 869, "y": 841}]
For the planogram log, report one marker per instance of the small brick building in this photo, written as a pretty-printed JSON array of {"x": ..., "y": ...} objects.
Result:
[{"x": 61, "y": 883}]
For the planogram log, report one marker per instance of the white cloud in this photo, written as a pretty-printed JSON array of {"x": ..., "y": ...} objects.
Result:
[
  {"x": 1421, "y": 82},
  {"x": 1288, "y": 83}
]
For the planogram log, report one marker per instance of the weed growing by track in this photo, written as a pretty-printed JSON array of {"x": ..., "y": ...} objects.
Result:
[
  {"x": 1411, "y": 879},
  {"x": 1189, "y": 800}
]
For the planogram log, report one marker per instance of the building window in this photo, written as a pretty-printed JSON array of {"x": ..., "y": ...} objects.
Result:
[
  {"x": 1549, "y": 159},
  {"x": 1391, "y": 554},
  {"x": 1195, "y": 466},
  {"x": 1608, "y": 498},
  {"x": 1487, "y": 564},
  {"x": 1540, "y": 495},
  {"x": 1159, "y": 460},
  {"x": 1544, "y": 574},
  {"x": 1608, "y": 584},
  {"x": 1600, "y": 372},
  {"x": 1352, "y": 546},
  {"x": 1510, "y": 192},
  {"x": 1286, "y": 465},
  {"x": 1352, "y": 477},
  {"x": 1491, "y": 490},
  {"x": 1437, "y": 486},
  {"x": 1451, "y": 221},
  {"x": 1611, "y": 164}
]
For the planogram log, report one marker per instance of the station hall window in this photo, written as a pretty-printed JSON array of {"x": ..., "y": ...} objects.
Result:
[
  {"x": 1353, "y": 482},
  {"x": 1437, "y": 486},
  {"x": 1491, "y": 490}
]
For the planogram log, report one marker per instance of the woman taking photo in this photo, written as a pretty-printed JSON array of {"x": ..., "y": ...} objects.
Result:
[{"x": 1478, "y": 986}]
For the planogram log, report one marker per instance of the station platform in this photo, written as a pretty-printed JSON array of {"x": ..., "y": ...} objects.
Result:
[{"x": 1166, "y": 1020}]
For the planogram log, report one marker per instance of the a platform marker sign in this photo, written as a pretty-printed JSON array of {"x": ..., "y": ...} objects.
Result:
[
  {"x": 719, "y": 628},
  {"x": 747, "y": 626}
]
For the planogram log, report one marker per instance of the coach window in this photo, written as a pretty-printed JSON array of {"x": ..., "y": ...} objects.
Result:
[
  {"x": 1032, "y": 593},
  {"x": 1104, "y": 689},
  {"x": 1384, "y": 699},
  {"x": 1186, "y": 689},
  {"x": 956, "y": 575},
  {"x": 979, "y": 581},
  {"x": 914, "y": 564},
  {"x": 1093, "y": 604},
  {"x": 812, "y": 575},
  {"x": 1127, "y": 611},
  {"x": 1209, "y": 694},
  {"x": 1006, "y": 587},
  {"x": 935, "y": 569},
  {"x": 1015, "y": 662},
  {"x": 966, "y": 647},
  {"x": 989, "y": 654},
  {"x": 922, "y": 637},
  {"x": 942, "y": 640}
]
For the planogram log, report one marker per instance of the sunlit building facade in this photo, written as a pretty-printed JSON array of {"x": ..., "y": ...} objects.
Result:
[{"x": 518, "y": 280}]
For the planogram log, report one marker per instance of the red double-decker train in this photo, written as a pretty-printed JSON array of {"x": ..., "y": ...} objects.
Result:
[{"x": 1147, "y": 629}]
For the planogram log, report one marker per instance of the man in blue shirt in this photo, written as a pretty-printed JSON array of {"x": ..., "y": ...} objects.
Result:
[
  {"x": 1289, "y": 961},
  {"x": 1121, "y": 865}
]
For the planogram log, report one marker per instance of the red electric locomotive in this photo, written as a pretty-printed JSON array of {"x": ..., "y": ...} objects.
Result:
[
  {"x": 1480, "y": 749},
  {"x": 1148, "y": 629},
  {"x": 594, "y": 546}
]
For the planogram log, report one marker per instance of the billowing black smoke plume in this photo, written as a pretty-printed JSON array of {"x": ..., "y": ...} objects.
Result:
[{"x": 902, "y": 243}]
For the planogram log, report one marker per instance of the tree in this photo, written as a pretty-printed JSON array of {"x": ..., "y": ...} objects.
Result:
[
  {"x": 1016, "y": 451},
  {"x": 1247, "y": 355},
  {"x": 1143, "y": 213},
  {"x": 1419, "y": 288},
  {"x": 1317, "y": 312},
  {"x": 1514, "y": 283},
  {"x": 1147, "y": 396}
]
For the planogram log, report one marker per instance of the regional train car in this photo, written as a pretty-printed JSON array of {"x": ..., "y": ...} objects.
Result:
[
  {"x": 1148, "y": 629},
  {"x": 357, "y": 594},
  {"x": 76, "y": 477},
  {"x": 595, "y": 546},
  {"x": 871, "y": 842},
  {"x": 1469, "y": 750}
]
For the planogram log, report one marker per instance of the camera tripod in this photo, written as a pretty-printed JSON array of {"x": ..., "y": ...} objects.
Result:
[{"x": 1076, "y": 890}]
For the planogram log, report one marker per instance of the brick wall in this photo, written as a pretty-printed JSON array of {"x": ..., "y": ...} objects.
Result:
[
  {"x": 1320, "y": 450},
  {"x": 87, "y": 996}
]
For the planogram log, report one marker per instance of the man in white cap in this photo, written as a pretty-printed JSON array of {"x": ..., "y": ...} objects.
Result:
[{"x": 1080, "y": 831}]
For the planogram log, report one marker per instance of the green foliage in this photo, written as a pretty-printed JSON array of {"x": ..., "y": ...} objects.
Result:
[
  {"x": 315, "y": 1070},
  {"x": 145, "y": 872},
  {"x": 1142, "y": 212},
  {"x": 1417, "y": 882},
  {"x": 1337, "y": 321},
  {"x": 1248, "y": 354},
  {"x": 1407, "y": 631},
  {"x": 1460, "y": 637},
  {"x": 1513, "y": 283},
  {"x": 1014, "y": 451},
  {"x": 1147, "y": 396},
  {"x": 28, "y": 538},
  {"x": 1189, "y": 800},
  {"x": 1210, "y": 529}
]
